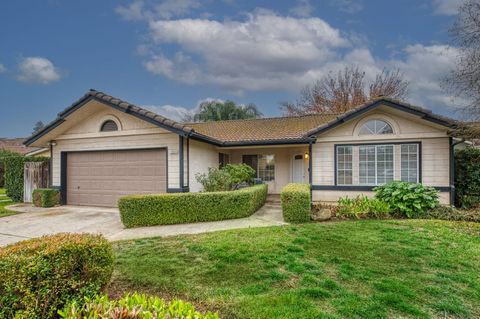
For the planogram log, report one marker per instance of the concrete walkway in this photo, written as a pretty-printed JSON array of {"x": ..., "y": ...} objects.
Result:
[{"x": 35, "y": 222}]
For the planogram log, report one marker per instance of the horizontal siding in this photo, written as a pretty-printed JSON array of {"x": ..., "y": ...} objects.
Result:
[
  {"x": 435, "y": 162},
  {"x": 202, "y": 156}
]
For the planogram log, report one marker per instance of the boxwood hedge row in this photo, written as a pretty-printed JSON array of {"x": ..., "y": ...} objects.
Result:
[
  {"x": 164, "y": 209},
  {"x": 296, "y": 203}
]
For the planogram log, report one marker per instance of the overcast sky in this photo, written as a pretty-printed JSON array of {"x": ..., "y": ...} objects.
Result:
[{"x": 170, "y": 55}]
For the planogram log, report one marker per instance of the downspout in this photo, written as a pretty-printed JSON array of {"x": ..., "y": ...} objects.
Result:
[
  {"x": 452, "y": 169},
  {"x": 310, "y": 173}
]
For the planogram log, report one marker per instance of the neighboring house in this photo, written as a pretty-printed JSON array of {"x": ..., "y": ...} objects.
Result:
[
  {"x": 40, "y": 152},
  {"x": 103, "y": 148},
  {"x": 15, "y": 145}
]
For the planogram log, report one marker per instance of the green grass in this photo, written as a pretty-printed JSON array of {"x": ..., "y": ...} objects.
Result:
[
  {"x": 5, "y": 201},
  {"x": 351, "y": 269}
]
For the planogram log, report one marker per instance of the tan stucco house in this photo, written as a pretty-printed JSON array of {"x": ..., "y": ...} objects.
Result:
[{"x": 103, "y": 148}]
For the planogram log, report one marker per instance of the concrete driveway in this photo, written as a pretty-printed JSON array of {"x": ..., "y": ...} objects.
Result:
[{"x": 35, "y": 222}]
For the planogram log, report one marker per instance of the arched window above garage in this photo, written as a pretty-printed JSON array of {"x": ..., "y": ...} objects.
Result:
[{"x": 109, "y": 126}]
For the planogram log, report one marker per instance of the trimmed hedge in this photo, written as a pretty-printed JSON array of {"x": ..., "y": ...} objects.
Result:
[
  {"x": 296, "y": 203},
  {"x": 467, "y": 177},
  {"x": 133, "y": 306},
  {"x": 42, "y": 275},
  {"x": 14, "y": 168},
  {"x": 165, "y": 209},
  {"x": 46, "y": 197}
]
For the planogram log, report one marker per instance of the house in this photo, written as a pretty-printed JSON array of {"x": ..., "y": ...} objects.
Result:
[
  {"x": 103, "y": 148},
  {"x": 16, "y": 145}
]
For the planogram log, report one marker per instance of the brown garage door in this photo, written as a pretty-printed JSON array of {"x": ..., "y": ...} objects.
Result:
[{"x": 101, "y": 178}]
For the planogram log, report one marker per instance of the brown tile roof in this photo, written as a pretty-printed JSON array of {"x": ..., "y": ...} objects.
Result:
[
  {"x": 15, "y": 145},
  {"x": 265, "y": 129},
  {"x": 299, "y": 129}
]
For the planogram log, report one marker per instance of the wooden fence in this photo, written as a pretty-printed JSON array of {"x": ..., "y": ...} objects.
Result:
[{"x": 36, "y": 175}]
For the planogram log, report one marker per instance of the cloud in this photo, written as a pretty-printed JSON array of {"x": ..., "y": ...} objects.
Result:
[
  {"x": 347, "y": 6},
  {"x": 2, "y": 68},
  {"x": 265, "y": 51},
  {"x": 37, "y": 70},
  {"x": 425, "y": 66},
  {"x": 148, "y": 10},
  {"x": 303, "y": 9},
  {"x": 178, "y": 113},
  {"x": 446, "y": 7}
]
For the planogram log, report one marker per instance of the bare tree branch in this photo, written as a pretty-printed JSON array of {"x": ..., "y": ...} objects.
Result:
[{"x": 340, "y": 92}]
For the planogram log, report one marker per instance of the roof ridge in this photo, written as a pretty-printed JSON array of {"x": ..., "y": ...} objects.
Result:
[{"x": 267, "y": 118}]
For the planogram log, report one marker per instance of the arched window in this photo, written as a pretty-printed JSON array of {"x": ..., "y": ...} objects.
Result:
[
  {"x": 375, "y": 127},
  {"x": 109, "y": 126}
]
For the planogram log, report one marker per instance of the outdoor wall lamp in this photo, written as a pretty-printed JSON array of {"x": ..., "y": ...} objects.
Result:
[
  {"x": 306, "y": 156},
  {"x": 52, "y": 143}
]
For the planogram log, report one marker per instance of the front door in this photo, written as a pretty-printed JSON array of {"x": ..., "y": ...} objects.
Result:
[{"x": 298, "y": 169}]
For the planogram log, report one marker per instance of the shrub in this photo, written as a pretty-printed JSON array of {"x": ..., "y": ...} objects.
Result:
[
  {"x": 216, "y": 180},
  {"x": 4, "y": 154},
  {"x": 467, "y": 177},
  {"x": 40, "y": 276},
  {"x": 240, "y": 174},
  {"x": 451, "y": 213},
  {"x": 132, "y": 306},
  {"x": 296, "y": 203},
  {"x": 362, "y": 207},
  {"x": 46, "y": 197},
  {"x": 14, "y": 166},
  {"x": 163, "y": 209},
  {"x": 407, "y": 199}
]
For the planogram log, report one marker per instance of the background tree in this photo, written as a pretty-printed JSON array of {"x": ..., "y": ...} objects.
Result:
[
  {"x": 464, "y": 80},
  {"x": 38, "y": 126},
  {"x": 342, "y": 91},
  {"x": 228, "y": 110}
]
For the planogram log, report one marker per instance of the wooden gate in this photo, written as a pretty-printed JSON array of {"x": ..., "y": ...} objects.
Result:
[{"x": 36, "y": 175}]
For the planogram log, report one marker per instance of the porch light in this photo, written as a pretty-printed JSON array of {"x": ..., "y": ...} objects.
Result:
[{"x": 306, "y": 156}]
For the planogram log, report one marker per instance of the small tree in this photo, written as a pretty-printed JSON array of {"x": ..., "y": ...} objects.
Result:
[
  {"x": 241, "y": 173},
  {"x": 340, "y": 92},
  {"x": 38, "y": 126},
  {"x": 228, "y": 110}
]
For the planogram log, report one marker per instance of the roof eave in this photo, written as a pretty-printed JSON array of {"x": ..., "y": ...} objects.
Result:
[{"x": 428, "y": 116}]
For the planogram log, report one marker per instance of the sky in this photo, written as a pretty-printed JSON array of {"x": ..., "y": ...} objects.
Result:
[{"x": 170, "y": 55}]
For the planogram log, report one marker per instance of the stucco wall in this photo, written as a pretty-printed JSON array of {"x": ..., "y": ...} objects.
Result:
[
  {"x": 407, "y": 128},
  {"x": 202, "y": 156},
  {"x": 133, "y": 134}
]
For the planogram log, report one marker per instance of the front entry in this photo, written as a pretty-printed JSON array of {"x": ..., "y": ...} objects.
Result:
[{"x": 298, "y": 170}]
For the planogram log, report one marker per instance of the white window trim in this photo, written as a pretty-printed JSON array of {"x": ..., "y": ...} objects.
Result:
[
  {"x": 418, "y": 160},
  {"x": 336, "y": 165},
  {"x": 376, "y": 172}
]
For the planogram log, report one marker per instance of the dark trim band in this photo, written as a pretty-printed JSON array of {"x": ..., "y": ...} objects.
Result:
[{"x": 363, "y": 188}]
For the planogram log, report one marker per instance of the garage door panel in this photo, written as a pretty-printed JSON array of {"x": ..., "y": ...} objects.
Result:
[{"x": 101, "y": 178}]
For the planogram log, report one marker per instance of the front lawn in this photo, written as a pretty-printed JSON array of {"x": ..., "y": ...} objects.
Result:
[
  {"x": 350, "y": 269},
  {"x": 5, "y": 201}
]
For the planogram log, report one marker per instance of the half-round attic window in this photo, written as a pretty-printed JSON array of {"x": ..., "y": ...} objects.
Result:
[
  {"x": 109, "y": 126},
  {"x": 376, "y": 127}
]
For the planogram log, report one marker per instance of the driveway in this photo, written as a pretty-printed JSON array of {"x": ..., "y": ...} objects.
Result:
[{"x": 35, "y": 222}]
